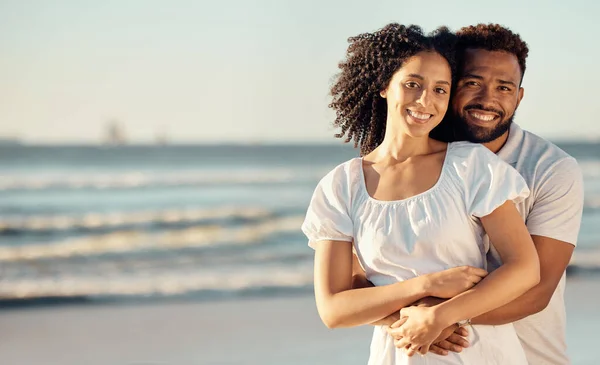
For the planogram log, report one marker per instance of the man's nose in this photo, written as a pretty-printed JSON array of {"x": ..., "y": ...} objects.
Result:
[{"x": 486, "y": 96}]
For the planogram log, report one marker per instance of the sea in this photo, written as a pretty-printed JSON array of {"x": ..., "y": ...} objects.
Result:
[{"x": 119, "y": 223}]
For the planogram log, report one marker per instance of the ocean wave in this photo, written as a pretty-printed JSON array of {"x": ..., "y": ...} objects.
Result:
[
  {"x": 590, "y": 168},
  {"x": 178, "y": 279},
  {"x": 119, "y": 220},
  {"x": 136, "y": 240},
  {"x": 131, "y": 180},
  {"x": 167, "y": 284},
  {"x": 586, "y": 259},
  {"x": 591, "y": 201},
  {"x": 192, "y": 280}
]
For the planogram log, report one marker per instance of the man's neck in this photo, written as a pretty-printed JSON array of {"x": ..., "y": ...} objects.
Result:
[{"x": 497, "y": 144}]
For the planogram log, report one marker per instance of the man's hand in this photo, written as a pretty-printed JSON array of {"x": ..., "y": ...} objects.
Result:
[{"x": 451, "y": 339}]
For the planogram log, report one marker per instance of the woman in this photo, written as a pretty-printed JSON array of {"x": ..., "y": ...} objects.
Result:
[{"x": 415, "y": 209}]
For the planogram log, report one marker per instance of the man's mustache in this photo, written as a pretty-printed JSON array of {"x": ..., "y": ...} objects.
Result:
[{"x": 486, "y": 109}]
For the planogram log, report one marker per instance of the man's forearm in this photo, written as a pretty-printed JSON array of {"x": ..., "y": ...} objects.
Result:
[
  {"x": 524, "y": 306},
  {"x": 554, "y": 257}
]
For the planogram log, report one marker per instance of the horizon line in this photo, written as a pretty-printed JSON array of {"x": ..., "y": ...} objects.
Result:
[{"x": 14, "y": 143}]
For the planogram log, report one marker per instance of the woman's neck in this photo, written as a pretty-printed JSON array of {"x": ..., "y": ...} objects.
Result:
[{"x": 401, "y": 147}]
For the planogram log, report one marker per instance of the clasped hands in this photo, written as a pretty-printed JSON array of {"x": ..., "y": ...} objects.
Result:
[{"x": 415, "y": 330}]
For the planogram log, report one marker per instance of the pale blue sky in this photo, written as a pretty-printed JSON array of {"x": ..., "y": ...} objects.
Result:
[{"x": 250, "y": 71}]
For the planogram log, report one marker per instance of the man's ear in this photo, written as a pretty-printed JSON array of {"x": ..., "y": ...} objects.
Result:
[{"x": 521, "y": 94}]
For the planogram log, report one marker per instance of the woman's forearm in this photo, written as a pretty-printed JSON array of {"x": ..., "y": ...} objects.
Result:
[
  {"x": 355, "y": 307},
  {"x": 500, "y": 287}
]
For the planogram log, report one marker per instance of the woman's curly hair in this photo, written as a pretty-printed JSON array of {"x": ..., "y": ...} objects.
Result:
[{"x": 371, "y": 61}]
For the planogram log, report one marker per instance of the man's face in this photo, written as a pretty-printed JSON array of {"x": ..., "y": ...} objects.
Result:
[{"x": 487, "y": 94}]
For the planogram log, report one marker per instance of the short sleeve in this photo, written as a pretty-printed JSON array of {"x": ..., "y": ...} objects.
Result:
[
  {"x": 558, "y": 206},
  {"x": 328, "y": 216},
  {"x": 493, "y": 182}
]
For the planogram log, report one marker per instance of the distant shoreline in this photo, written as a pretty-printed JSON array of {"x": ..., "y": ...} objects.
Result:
[{"x": 233, "y": 144}]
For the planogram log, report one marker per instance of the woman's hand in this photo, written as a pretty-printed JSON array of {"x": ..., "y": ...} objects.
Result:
[
  {"x": 449, "y": 283},
  {"x": 419, "y": 328},
  {"x": 453, "y": 338}
]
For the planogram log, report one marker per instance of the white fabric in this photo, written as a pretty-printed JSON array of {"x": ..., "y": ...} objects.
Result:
[
  {"x": 432, "y": 231},
  {"x": 553, "y": 209}
]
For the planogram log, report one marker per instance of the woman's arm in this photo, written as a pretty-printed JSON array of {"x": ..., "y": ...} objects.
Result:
[
  {"x": 341, "y": 306},
  {"x": 520, "y": 270},
  {"x": 519, "y": 273}
]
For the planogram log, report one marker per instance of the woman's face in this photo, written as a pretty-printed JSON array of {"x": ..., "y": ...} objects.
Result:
[{"x": 418, "y": 94}]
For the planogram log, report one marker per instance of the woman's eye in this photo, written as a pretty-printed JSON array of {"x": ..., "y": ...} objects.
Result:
[
  {"x": 412, "y": 85},
  {"x": 440, "y": 90}
]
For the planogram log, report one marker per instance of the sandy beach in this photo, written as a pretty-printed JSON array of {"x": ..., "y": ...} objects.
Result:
[{"x": 247, "y": 331}]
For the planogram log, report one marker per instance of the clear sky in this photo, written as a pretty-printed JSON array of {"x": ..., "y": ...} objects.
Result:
[{"x": 254, "y": 71}]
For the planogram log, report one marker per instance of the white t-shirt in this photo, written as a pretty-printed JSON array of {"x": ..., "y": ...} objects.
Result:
[
  {"x": 429, "y": 232},
  {"x": 553, "y": 210}
]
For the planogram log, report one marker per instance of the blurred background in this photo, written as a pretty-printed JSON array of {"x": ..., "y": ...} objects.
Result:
[{"x": 157, "y": 159}]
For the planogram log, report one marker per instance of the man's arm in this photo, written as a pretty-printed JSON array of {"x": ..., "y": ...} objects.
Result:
[
  {"x": 554, "y": 257},
  {"x": 553, "y": 223}
]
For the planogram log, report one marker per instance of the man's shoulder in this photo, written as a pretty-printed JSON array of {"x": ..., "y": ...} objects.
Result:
[
  {"x": 539, "y": 145},
  {"x": 541, "y": 155}
]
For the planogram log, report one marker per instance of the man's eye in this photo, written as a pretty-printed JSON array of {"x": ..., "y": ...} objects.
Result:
[
  {"x": 471, "y": 83},
  {"x": 504, "y": 88},
  {"x": 440, "y": 90}
]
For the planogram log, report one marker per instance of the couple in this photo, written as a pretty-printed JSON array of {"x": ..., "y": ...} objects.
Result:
[{"x": 440, "y": 243}]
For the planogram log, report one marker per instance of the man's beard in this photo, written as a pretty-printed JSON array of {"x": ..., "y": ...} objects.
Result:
[{"x": 477, "y": 134}]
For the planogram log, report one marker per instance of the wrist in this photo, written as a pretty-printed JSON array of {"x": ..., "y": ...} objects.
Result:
[
  {"x": 425, "y": 285},
  {"x": 443, "y": 314},
  {"x": 463, "y": 323}
]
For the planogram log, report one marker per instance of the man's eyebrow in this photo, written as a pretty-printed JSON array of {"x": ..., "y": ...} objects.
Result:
[
  {"x": 477, "y": 77},
  {"x": 472, "y": 76},
  {"x": 505, "y": 82}
]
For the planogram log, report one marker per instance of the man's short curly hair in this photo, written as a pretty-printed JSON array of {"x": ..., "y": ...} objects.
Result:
[
  {"x": 371, "y": 61},
  {"x": 493, "y": 37}
]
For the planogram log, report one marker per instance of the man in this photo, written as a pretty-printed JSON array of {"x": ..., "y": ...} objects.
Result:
[{"x": 487, "y": 94}]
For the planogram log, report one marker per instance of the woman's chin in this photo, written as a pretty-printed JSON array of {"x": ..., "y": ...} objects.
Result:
[{"x": 420, "y": 131}]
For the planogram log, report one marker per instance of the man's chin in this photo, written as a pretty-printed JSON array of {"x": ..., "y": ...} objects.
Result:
[{"x": 478, "y": 134}]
